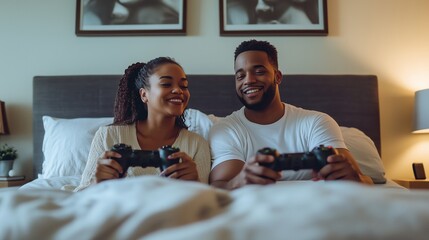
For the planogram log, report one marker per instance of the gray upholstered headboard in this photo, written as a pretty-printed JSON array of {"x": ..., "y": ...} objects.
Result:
[{"x": 352, "y": 100}]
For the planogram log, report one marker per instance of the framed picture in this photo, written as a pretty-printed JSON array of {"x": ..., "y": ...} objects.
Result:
[
  {"x": 130, "y": 17},
  {"x": 273, "y": 17}
]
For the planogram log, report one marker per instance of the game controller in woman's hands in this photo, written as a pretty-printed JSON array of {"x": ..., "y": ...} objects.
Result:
[{"x": 143, "y": 158}]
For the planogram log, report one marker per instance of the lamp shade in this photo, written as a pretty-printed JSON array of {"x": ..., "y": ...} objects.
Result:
[{"x": 421, "y": 109}]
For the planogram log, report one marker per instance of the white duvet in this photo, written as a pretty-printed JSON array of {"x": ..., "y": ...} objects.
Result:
[{"x": 151, "y": 207}]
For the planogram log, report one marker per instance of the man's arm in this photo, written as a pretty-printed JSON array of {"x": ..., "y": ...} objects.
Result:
[
  {"x": 235, "y": 173},
  {"x": 223, "y": 174}
]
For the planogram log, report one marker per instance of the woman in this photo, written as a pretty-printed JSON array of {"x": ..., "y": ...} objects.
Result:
[{"x": 148, "y": 114}]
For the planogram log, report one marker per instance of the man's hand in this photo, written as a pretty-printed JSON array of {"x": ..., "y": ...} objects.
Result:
[{"x": 342, "y": 166}]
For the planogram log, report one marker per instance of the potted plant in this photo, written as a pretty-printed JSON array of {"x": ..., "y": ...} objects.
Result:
[{"x": 7, "y": 156}]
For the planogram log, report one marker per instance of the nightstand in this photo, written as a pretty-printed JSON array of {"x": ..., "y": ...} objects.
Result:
[
  {"x": 12, "y": 181},
  {"x": 413, "y": 183}
]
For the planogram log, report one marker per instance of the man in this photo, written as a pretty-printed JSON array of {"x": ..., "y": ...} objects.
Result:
[{"x": 265, "y": 121}]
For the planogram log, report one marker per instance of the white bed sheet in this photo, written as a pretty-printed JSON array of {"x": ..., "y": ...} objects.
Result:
[
  {"x": 151, "y": 207},
  {"x": 67, "y": 183}
]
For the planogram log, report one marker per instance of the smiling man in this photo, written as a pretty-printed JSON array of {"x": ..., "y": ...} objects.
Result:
[{"x": 266, "y": 121}]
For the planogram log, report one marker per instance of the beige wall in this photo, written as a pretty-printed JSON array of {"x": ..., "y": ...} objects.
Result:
[{"x": 388, "y": 38}]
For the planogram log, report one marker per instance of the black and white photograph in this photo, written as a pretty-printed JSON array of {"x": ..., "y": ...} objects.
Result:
[
  {"x": 130, "y": 17},
  {"x": 273, "y": 17}
]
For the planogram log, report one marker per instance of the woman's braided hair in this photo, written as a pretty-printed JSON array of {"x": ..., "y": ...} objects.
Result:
[{"x": 129, "y": 107}]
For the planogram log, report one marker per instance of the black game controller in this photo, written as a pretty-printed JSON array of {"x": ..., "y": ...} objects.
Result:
[
  {"x": 143, "y": 158},
  {"x": 316, "y": 159}
]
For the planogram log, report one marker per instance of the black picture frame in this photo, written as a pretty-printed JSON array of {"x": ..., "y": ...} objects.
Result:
[
  {"x": 276, "y": 18},
  {"x": 113, "y": 18}
]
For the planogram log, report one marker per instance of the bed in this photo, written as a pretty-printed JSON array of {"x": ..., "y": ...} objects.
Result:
[{"x": 152, "y": 207}]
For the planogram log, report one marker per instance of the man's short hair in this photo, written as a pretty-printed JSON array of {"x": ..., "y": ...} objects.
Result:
[{"x": 254, "y": 45}]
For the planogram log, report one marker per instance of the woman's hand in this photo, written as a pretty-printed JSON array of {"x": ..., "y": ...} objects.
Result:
[
  {"x": 107, "y": 168},
  {"x": 186, "y": 169}
]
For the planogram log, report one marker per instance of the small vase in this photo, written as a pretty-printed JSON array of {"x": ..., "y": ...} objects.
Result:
[{"x": 5, "y": 167}]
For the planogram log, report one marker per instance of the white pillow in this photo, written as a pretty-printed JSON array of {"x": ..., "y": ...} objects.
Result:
[
  {"x": 66, "y": 144},
  {"x": 199, "y": 122},
  {"x": 365, "y": 153}
]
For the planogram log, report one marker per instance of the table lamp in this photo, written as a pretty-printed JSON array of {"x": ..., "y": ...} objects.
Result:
[
  {"x": 4, "y": 128},
  {"x": 421, "y": 107},
  {"x": 421, "y": 124}
]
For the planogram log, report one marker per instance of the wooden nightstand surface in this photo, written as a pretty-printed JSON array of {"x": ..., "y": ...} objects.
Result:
[
  {"x": 19, "y": 181},
  {"x": 413, "y": 183}
]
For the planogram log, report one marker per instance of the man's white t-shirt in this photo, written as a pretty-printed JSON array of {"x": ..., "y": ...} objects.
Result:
[{"x": 299, "y": 130}]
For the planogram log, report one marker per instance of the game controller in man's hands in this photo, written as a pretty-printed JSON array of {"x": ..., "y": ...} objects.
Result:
[
  {"x": 143, "y": 158},
  {"x": 316, "y": 159}
]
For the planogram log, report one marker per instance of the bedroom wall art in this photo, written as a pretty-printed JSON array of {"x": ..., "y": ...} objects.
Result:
[
  {"x": 130, "y": 17},
  {"x": 273, "y": 17}
]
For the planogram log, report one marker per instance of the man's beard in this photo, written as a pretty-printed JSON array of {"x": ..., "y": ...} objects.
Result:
[{"x": 267, "y": 98}]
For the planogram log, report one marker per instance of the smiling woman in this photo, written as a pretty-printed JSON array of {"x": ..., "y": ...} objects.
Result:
[{"x": 148, "y": 115}]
